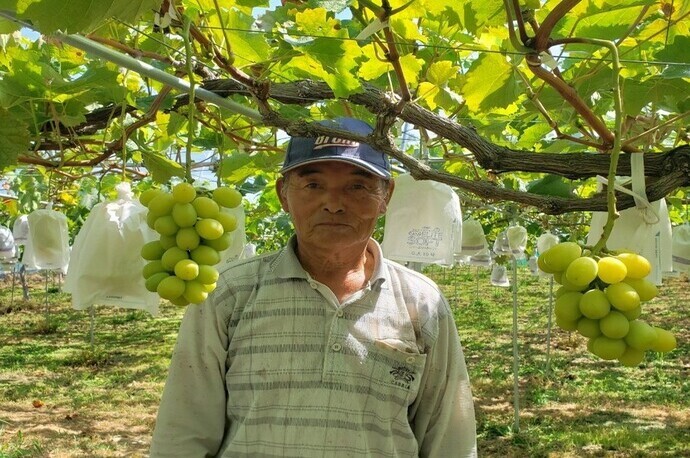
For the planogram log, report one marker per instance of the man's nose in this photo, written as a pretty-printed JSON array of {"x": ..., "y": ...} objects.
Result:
[{"x": 333, "y": 201}]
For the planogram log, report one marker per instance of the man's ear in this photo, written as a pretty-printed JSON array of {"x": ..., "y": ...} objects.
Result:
[
  {"x": 387, "y": 198},
  {"x": 280, "y": 189}
]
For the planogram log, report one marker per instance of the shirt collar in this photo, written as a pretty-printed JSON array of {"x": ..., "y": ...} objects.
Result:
[{"x": 287, "y": 265}]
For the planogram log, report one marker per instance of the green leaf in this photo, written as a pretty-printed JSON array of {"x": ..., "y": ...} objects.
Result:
[
  {"x": 411, "y": 66},
  {"x": 14, "y": 139},
  {"x": 608, "y": 24},
  {"x": 82, "y": 15},
  {"x": 161, "y": 168},
  {"x": 550, "y": 185},
  {"x": 665, "y": 94},
  {"x": 248, "y": 48},
  {"x": 479, "y": 14},
  {"x": 676, "y": 52},
  {"x": 490, "y": 84},
  {"x": 440, "y": 72},
  {"x": 533, "y": 135}
]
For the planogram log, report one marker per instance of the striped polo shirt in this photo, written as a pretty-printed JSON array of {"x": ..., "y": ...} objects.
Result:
[{"x": 272, "y": 365}]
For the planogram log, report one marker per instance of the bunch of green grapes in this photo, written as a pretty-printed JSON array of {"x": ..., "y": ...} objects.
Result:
[
  {"x": 193, "y": 229},
  {"x": 601, "y": 298}
]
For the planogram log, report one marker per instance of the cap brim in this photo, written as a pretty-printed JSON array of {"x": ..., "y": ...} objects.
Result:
[{"x": 350, "y": 160}]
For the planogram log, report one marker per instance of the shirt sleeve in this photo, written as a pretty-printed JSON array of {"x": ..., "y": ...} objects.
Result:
[
  {"x": 442, "y": 416},
  {"x": 191, "y": 418}
]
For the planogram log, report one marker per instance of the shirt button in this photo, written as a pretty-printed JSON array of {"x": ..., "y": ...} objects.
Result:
[
  {"x": 336, "y": 347},
  {"x": 410, "y": 359},
  {"x": 339, "y": 313},
  {"x": 313, "y": 285}
]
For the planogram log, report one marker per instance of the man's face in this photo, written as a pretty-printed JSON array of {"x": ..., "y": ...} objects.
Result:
[{"x": 333, "y": 204}]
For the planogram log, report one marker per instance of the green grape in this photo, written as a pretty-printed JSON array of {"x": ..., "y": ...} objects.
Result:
[
  {"x": 645, "y": 288},
  {"x": 184, "y": 215},
  {"x": 664, "y": 342},
  {"x": 168, "y": 241},
  {"x": 638, "y": 266},
  {"x": 222, "y": 243},
  {"x": 582, "y": 271},
  {"x": 186, "y": 269},
  {"x": 195, "y": 292},
  {"x": 227, "y": 197},
  {"x": 542, "y": 265},
  {"x": 161, "y": 205},
  {"x": 180, "y": 301},
  {"x": 567, "y": 306},
  {"x": 209, "y": 228},
  {"x": 183, "y": 193},
  {"x": 206, "y": 207},
  {"x": 205, "y": 255},
  {"x": 228, "y": 220},
  {"x": 561, "y": 279},
  {"x": 607, "y": 348},
  {"x": 622, "y": 296},
  {"x": 614, "y": 325},
  {"x": 611, "y": 270},
  {"x": 208, "y": 287},
  {"x": 152, "y": 251},
  {"x": 566, "y": 325},
  {"x": 561, "y": 291},
  {"x": 588, "y": 328},
  {"x": 207, "y": 274},
  {"x": 172, "y": 256},
  {"x": 632, "y": 314},
  {"x": 640, "y": 336},
  {"x": 151, "y": 283},
  {"x": 170, "y": 287},
  {"x": 152, "y": 267},
  {"x": 187, "y": 238},
  {"x": 165, "y": 225},
  {"x": 151, "y": 220},
  {"x": 631, "y": 357},
  {"x": 594, "y": 304},
  {"x": 148, "y": 195},
  {"x": 558, "y": 257}
]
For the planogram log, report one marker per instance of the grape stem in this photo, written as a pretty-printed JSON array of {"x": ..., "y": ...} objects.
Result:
[
  {"x": 616, "y": 148},
  {"x": 192, "y": 96}
]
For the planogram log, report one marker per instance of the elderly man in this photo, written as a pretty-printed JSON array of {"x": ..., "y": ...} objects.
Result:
[{"x": 324, "y": 348}]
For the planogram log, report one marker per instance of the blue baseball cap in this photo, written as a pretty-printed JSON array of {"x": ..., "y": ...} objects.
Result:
[{"x": 307, "y": 150}]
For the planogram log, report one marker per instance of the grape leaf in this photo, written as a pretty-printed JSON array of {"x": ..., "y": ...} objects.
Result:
[
  {"x": 550, "y": 185},
  {"x": 161, "y": 168},
  {"x": 14, "y": 139},
  {"x": 81, "y": 15},
  {"x": 490, "y": 84}
]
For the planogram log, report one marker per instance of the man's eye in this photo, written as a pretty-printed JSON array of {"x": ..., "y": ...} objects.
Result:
[{"x": 311, "y": 185}]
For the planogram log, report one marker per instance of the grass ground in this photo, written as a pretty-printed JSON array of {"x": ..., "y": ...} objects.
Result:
[{"x": 64, "y": 394}]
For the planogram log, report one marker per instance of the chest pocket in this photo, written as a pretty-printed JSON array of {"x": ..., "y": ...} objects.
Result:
[{"x": 398, "y": 366}]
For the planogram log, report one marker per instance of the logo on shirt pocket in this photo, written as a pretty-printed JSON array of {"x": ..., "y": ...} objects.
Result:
[{"x": 402, "y": 376}]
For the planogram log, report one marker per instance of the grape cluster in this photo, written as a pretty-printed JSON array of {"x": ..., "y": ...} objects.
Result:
[
  {"x": 601, "y": 298},
  {"x": 194, "y": 229}
]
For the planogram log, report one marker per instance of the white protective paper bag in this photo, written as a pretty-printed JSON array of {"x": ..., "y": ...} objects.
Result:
[
  {"x": 239, "y": 236},
  {"x": 646, "y": 231},
  {"x": 20, "y": 229},
  {"x": 473, "y": 237},
  {"x": 8, "y": 248},
  {"x": 681, "y": 248},
  {"x": 423, "y": 222},
  {"x": 48, "y": 242},
  {"x": 106, "y": 264}
]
